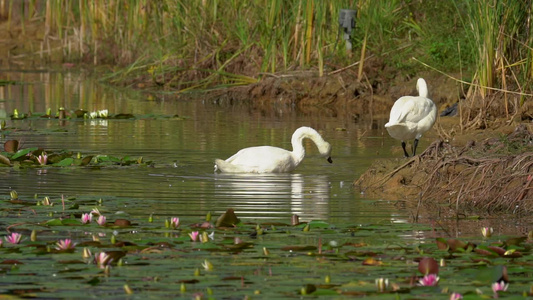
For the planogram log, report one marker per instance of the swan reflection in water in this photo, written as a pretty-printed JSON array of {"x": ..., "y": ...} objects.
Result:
[{"x": 275, "y": 195}]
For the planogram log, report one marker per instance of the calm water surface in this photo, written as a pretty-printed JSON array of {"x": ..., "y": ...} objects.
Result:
[{"x": 182, "y": 180}]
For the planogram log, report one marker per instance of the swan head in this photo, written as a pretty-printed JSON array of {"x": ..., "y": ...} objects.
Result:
[
  {"x": 325, "y": 150},
  {"x": 422, "y": 87}
]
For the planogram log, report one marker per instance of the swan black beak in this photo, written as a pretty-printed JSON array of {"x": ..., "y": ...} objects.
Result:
[{"x": 329, "y": 159}]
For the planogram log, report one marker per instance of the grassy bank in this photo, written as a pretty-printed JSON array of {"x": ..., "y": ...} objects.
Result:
[{"x": 183, "y": 45}]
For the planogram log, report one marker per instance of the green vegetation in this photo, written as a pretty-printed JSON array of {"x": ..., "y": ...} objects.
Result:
[
  {"x": 94, "y": 246},
  {"x": 185, "y": 45},
  {"x": 35, "y": 157}
]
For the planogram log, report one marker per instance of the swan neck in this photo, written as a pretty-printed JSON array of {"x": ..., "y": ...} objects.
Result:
[
  {"x": 298, "y": 149},
  {"x": 297, "y": 141}
]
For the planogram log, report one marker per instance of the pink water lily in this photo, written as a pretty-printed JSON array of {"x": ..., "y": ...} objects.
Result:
[
  {"x": 499, "y": 286},
  {"x": 175, "y": 222},
  {"x": 86, "y": 218},
  {"x": 14, "y": 238},
  {"x": 102, "y": 259},
  {"x": 194, "y": 235},
  {"x": 65, "y": 244},
  {"x": 456, "y": 296},
  {"x": 101, "y": 220},
  {"x": 429, "y": 280},
  {"x": 42, "y": 159}
]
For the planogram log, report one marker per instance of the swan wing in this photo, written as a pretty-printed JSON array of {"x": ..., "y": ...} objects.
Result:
[
  {"x": 263, "y": 159},
  {"x": 410, "y": 110},
  {"x": 226, "y": 167}
]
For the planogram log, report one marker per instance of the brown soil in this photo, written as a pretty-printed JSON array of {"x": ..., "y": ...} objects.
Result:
[
  {"x": 374, "y": 93},
  {"x": 494, "y": 175}
]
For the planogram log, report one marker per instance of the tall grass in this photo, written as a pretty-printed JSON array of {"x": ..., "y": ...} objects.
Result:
[
  {"x": 502, "y": 31},
  {"x": 191, "y": 39},
  {"x": 205, "y": 43}
]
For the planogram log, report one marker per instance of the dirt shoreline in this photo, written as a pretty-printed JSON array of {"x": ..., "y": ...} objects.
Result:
[{"x": 487, "y": 177}]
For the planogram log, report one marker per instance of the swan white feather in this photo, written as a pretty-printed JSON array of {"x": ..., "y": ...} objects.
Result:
[
  {"x": 412, "y": 116},
  {"x": 268, "y": 159}
]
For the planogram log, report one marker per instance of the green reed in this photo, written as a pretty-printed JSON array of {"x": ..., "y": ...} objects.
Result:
[
  {"x": 201, "y": 35},
  {"x": 204, "y": 43},
  {"x": 505, "y": 44}
]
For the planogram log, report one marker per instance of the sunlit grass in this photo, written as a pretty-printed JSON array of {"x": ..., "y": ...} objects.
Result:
[{"x": 225, "y": 42}]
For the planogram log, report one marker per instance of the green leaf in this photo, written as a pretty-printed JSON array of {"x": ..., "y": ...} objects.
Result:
[
  {"x": 65, "y": 162},
  {"x": 54, "y": 222},
  {"x": 70, "y": 222},
  {"x": 23, "y": 152},
  {"x": 59, "y": 222}
]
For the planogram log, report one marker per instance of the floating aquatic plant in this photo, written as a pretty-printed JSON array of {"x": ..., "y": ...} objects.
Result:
[
  {"x": 429, "y": 280},
  {"x": 208, "y": 266},
  {"x": 194, "y": 235},
  {"x": 101, "y": 220},
  {"x": 103, "y": 113},
  {"x": 102, "y": 259},
  {"x": 456, "y": 296},
  {"x": 47, "y": 201},
  {"x": 500, "y": 286},
  {"x": 157, "y": 250},
  {"x": 204, "y": 238},
  {"x": 86, "y": 218},
  {"x": 37, "y": 157},
  {"x": 65, "y": 244},
  {"x": 175, "y": 222},
  {"x": 487, "y": 231},
  {"x": 42, "y": 159},
  {"x": 95, "y": 211},
  {"x": 13, "y": 238},
  {"x": 86, "y": 253},
  {"x": 382, "y": 284}
]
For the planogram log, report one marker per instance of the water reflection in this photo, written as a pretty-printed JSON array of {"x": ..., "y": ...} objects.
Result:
[
  {"x": 263, "y": 194},
  {"x": 182, "y": 182}
]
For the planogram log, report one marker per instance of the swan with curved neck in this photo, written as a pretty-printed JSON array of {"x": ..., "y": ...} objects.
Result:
[
  {"x": 412, "y": 116},
  {"x": 268, "y": 159}
]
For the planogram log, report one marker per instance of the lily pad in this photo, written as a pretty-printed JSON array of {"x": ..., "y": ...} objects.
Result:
[
  {"x": 4, "y": 160},
  {"x": 11, "y": 146},
  {"x": 227, "y": 219},
  {"x": 22, "y": 153},
  {"x": 65, "y": 162}
]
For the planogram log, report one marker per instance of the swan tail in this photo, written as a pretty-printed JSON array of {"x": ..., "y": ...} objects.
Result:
[{"x": 389, "y": 125}]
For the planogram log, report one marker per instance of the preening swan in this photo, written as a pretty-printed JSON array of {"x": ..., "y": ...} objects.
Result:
[
  {"x": 411, "y": 116},
  {"x": 268, "y": 159}
]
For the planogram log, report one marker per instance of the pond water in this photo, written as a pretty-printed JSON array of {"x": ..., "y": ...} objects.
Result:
[
  {"x": 182, "y": 180},
  {"x": 179, "y": 181}
]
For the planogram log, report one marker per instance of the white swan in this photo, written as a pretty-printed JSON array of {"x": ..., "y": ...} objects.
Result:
[
  {"x": 411, "y": 116},
  {"x": 268, "y": 159}
]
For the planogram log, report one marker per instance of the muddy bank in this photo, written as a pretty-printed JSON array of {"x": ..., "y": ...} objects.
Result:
[
  {"x": 489, "y": 176},
  {"x": 341, "y": 90}
]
